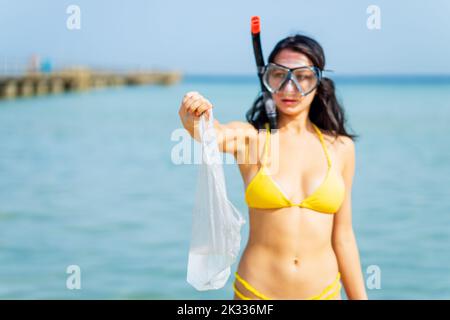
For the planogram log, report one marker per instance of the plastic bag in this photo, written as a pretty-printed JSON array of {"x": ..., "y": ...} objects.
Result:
[{"x": 216, "y": 223}]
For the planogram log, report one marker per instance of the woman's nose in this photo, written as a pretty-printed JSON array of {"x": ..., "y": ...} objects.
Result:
[{"x": 289, "y": 86}]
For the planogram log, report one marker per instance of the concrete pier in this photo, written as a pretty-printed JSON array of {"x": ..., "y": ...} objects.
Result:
[{"x": 37, "y": 84}]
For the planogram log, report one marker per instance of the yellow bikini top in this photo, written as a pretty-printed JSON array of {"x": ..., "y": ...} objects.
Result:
[{"x": 264, "y": 193}]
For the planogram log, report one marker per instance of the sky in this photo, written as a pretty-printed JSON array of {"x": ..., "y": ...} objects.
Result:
[{"x": 213, "y": 37}]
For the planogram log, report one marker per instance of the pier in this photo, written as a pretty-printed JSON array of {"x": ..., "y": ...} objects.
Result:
[{"x": 38, "y": 83}]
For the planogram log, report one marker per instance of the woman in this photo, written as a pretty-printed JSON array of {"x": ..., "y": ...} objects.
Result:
[{"x": 301, "y": 242}]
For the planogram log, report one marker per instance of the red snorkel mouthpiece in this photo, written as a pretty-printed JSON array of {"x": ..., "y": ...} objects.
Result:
[{"x": 256, "y": 25}]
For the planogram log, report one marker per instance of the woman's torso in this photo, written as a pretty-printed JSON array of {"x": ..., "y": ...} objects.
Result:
[{"x": 289, "y": 254}]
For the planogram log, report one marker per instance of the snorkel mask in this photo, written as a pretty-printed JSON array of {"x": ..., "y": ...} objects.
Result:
[
  {"x": 304, "y": 78},
  {"x": 273, "y": 77}
]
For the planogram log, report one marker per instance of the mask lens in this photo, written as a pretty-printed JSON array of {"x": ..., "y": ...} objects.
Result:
[
  {"x": 306, "y": 79},
  {"x": 274, "y": 77}
]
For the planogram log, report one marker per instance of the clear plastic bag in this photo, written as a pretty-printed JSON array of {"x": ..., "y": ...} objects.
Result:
[{"x": 216, "y": 223}]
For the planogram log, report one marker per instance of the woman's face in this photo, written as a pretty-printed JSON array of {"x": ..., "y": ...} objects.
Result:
[{"x": 289, "y": 100}]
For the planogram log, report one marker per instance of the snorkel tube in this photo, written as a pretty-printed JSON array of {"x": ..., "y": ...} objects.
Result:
[{"x": 267, "y": 100}]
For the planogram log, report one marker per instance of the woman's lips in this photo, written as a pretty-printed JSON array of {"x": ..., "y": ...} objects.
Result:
[{"x": 290, "y": 101}]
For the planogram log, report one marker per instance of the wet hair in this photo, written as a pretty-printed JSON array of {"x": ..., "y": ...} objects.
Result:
[{"x": 325, "y": 111}]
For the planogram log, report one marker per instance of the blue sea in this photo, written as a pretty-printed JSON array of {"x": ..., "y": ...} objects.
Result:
[{"x": 87, "y": 179}]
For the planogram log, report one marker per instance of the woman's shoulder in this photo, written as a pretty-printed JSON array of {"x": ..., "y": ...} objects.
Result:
[
  {"x": 342, "y": 145},
  {"x": 339, "y": 141},
  {"x": 347, "y": 146}
]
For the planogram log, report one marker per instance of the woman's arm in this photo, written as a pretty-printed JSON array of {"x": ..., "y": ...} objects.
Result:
[
  {"x": 231, "y": 137},
  {"x": 343, "y": 238}
]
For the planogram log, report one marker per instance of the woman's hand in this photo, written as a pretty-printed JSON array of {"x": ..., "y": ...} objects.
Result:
[{"x": 194, "y": 105}]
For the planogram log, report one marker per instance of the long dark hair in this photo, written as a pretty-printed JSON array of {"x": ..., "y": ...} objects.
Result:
[{"x": 325, "y": 112}]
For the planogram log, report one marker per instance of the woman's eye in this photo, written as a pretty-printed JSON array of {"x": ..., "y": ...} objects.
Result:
[
  {"x": 278, "y": 74},
  {"x": 303, "y": 77}
]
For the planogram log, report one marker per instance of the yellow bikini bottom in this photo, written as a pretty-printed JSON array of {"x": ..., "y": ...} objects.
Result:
[{"x": 328, "y": 293}]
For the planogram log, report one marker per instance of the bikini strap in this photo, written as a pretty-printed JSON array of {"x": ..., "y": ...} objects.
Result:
[
  {"x": 250, "y": 288},
  {"x": 266, "y": 144},
  {"x": 322, "y": 141}
]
